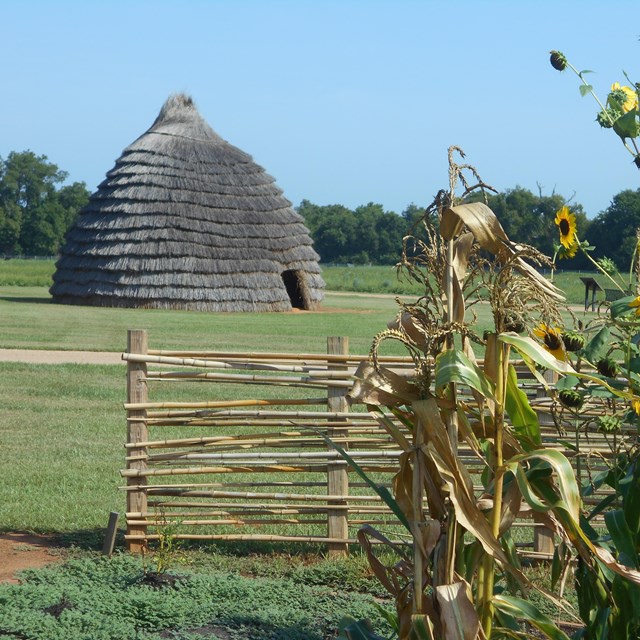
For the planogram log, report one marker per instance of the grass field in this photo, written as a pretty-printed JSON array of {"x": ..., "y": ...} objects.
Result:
[
  {"x": 62, "y": 434},
  {"x": 47, "y": 431},
  {"x": 363, "y": 279}
]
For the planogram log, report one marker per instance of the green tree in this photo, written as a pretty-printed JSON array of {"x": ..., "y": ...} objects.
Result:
[
  {"x": 368, "y": 234},
  {"x": 613, "y": 232},
  {"x": 34, "y": 213}
]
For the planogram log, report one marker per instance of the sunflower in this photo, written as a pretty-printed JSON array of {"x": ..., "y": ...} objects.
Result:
[
  {"x": 635, "y": 405},
  {"x": 552, "y": 340},
  {"x": 566, "y": 222},
  {"x": 568, "y": 252},
  {"x": 623, "y": 97}
]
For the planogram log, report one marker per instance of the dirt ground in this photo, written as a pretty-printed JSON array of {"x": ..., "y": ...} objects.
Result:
[
  {"x": 20, "y": 551},
  {"x": 40, "y": 356}
]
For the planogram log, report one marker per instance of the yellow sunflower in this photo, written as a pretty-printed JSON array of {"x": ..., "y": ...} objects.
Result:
[
  {"x": 635, "y": 404},
  {"x": 566, "y": 222},
  {"x": 636, "y": 303},
  {"x": 568, "y": 252},
  {"x": 552, "y": 339},
  {"x": 624, "y": 97}
]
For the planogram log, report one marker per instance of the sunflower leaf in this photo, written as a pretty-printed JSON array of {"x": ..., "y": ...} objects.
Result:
[
  {"x": 621, "y": 307},
  {"x": 596, "y": 346},
  {"x": 626, "y": 126}
]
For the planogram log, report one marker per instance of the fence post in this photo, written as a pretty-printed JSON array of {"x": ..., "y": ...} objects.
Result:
[
  {"x": 543, "y": 538},
  {"x": 137, "y": 431},
  {"x": 337, "y": 476}
]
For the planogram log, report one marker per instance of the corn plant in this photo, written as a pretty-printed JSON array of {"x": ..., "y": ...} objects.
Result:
[{"x": 452, "y": 583}]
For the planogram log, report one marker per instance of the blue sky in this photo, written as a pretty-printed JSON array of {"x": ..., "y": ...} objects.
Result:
[{"x": 345, "y": 102}]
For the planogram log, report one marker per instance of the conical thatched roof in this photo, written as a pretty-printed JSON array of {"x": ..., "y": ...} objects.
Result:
[{"x": 186, "y": 220}]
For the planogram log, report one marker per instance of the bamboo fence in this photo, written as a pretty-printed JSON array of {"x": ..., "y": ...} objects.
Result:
[{"x": 260, "y": 468}]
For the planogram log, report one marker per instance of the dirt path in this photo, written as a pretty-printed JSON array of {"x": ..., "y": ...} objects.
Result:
[
  {"x": 40, "y": 356},
  {"x": 20, "y": 551}
]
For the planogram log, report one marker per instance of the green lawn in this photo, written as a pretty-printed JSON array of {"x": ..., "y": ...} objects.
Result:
[
  {"x": 358, "y": 278},
  {"x": 62, "y": 434}
]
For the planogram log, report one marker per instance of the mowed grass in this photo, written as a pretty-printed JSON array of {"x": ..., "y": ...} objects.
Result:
[
  {"x": 383, "y": 279},
  {"x": 29, "y": 320},
  {"x": 63, "y": 426}
]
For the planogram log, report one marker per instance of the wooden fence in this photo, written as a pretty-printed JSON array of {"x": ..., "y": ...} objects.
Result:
[{"x": 260, "y": 468}]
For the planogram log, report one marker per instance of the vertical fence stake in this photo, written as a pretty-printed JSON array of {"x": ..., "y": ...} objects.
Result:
[
  {"x": 543, "y": 539},
  {"x": 110, "y": 535},
  {"x": 337, "y": 476},
  {"x": 137, "y": 431}
]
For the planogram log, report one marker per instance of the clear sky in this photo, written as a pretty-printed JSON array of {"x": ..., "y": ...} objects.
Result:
[{"x": 342, "y": 101}]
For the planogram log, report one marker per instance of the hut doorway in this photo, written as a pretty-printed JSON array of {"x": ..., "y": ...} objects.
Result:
[{"x": 293, "y": 286}]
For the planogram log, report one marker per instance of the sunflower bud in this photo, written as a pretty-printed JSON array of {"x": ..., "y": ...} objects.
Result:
[
  {"x": 607, "y": 117},
  {"x": 608, "y": 424},
  {"x": 607, "y": 367},
  {"x": 558, "y": 60},
  {"x": 573, "y": 341},
  {"x": 571, "y": 398}
]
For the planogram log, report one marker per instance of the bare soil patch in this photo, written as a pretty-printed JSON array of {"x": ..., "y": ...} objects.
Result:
[
  {"x": 20, "y": 551},
  {"x": 41, "y": 356}
]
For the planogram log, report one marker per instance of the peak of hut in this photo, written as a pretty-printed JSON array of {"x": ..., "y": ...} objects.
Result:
[{"x": 185, "y": 220}]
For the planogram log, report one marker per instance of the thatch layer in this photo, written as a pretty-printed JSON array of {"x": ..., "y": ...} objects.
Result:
[{"x": 187, "y": 220}]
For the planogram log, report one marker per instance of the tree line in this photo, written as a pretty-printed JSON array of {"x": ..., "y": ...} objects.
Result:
[
  {"x": 369, "y": 234},
  {"x": 37, "y": 208}
]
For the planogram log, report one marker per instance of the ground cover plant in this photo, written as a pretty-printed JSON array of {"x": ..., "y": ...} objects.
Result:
[{"x": 97, "y": 598}]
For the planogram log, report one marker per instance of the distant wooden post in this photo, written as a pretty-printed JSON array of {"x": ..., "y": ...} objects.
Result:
[
  {"x": 337, "y": 476},
  {"x": 543, "y": 538},
  {"x": 137, "y": 431}
]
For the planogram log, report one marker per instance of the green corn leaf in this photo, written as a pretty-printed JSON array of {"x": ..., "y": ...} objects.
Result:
[
  {"x": 524, "y": 610},
  {"x": 622, "y": 538},
  {"x": 534, "y": 351},
  {"x": 523, "y": 418},
  {"x": 454, "y": 366},
  {"x": 381, "y": 490},
  {"x": 565, "y": 478}
]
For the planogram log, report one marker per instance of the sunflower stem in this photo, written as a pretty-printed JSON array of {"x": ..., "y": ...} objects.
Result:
[
  {"x": 602, "y": 107},
  {"x": 598, "y": 267}
]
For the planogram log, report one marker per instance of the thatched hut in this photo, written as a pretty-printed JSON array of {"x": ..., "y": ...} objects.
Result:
[{"x": 186, "y": 220}]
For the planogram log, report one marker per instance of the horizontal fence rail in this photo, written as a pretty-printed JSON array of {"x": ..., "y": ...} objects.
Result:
[{"x": 206, "y": 462}]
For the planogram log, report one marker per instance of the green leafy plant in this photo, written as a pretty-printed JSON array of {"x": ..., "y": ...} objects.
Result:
[
  {"x": 452, "y": 583},
  {"x": 609, "y": 402},
  {"x": 169, "y": 548},
  {"x": 620, "y": 110}
]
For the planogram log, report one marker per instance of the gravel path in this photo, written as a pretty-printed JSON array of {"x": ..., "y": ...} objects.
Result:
[{"x": 40, "y": 356}]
